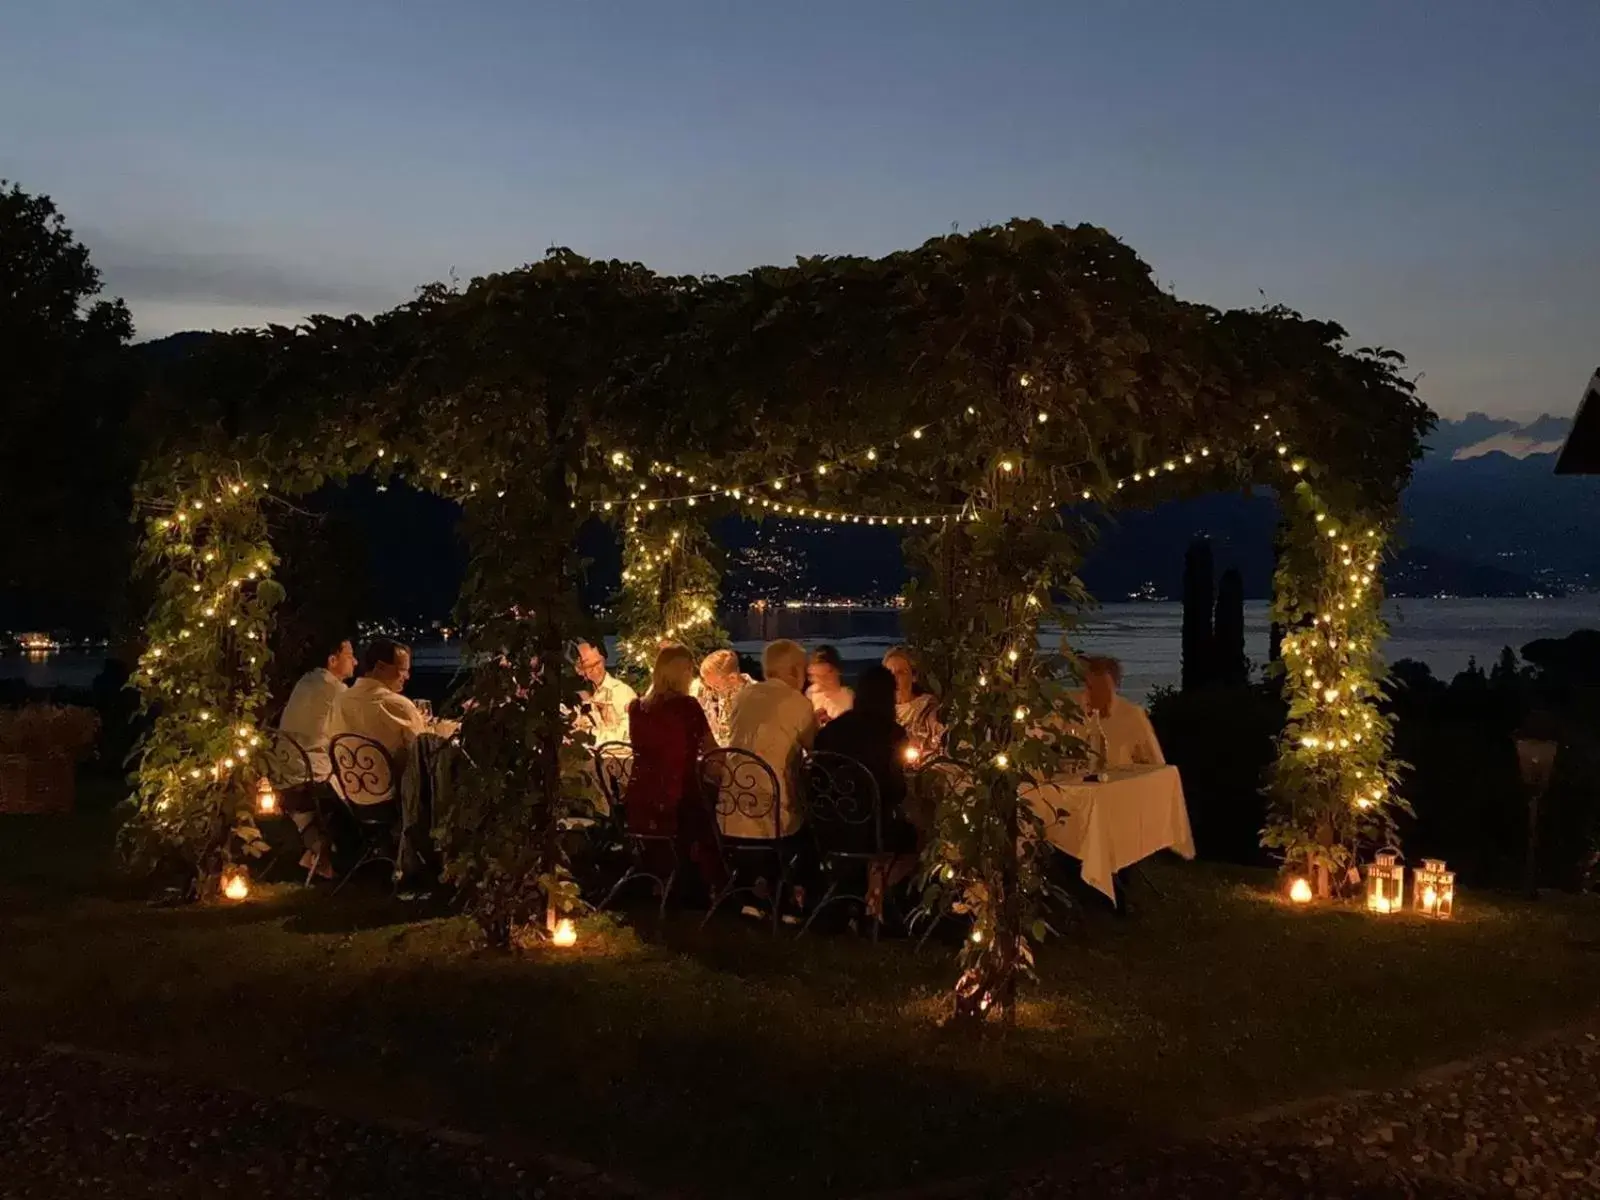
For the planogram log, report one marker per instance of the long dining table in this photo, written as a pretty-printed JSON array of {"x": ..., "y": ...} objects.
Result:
[{"x": 1110, "y": 823}]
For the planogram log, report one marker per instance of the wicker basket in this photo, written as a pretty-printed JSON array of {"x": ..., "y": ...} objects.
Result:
[{"x": 37, "y": 784}]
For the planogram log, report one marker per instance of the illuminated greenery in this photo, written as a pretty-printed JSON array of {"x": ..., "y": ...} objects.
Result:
[{"x": 982, "y": 392}]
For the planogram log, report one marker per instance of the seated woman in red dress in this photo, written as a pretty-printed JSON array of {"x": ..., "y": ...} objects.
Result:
[{"x": 669, "y": 732}]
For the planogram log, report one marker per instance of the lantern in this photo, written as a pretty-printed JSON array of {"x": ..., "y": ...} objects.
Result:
[
  {"x": 1300, "y": 892},
  {"x": 235, "y": 884},
  {"x": 1433, "y": 889},
  {"x": 1386, "y": 882},
  {"x": 266, "y": 798},
  {"x": 566, "y": 933}
]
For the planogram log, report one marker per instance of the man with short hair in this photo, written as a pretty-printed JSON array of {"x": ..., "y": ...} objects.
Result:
[
  {"x": 774, "y": 720},
  {"x": 374, "y": 707},
  {"x": 604, "y": 714},
  {"x": 1130, "y": 739},
  {"x": 308, "y": 716},
  {"x": 308, "y": 719}
]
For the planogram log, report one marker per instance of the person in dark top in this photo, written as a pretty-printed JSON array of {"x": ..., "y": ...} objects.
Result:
[
  {"x": 669, "y": 733},
  {"x": 868, "y": 733}
]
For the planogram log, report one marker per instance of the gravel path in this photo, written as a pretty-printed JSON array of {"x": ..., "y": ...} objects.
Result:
[
  {"x": 1522, "y": 1127},
  {"x": 71, "y": 1127}
]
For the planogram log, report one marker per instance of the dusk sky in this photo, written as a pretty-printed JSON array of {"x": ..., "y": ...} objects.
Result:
[{"x": 1426, "y": 173}]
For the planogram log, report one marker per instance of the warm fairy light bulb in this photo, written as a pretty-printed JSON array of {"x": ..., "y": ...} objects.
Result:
[
  {"x": 1330, "y": 695},
  {"x": 822, "y": 469},
  {"x": 1310, "y": 743},
  {"x": 977, "y": 936},
  {"x": 1283, "y": 449},
  {"x": 1300, "y": 892},
  {"x": 916, "y": 435},
  {"x": 1007, "y": 465},
  {"x": 1043, "y": 417},
  {"x": 949, "y": 873},
  {"x": 1088, "y": 495},
  {"x": 912, "y": 754},
  {"x": 617, "y": 458},
  {"x": 1011, "y": 655},
  {"x": 1033, "y": 602},
  {"x": 983, "y": 681},
  {"x": 1002, "y": 761},
  {"x": 872, "y": 456},
  {"x": 1021, "y": 714},
  {"x": 204, "y": 715}
]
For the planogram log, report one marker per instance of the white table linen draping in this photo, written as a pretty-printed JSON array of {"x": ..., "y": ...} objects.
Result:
[{"x": 1115, "y": 823}]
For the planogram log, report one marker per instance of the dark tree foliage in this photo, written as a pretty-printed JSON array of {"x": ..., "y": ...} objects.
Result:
[
  {"x": 66, "y": 464},
  {"x": 1230, "y": 664},
  {"x": 1199, "y": 648}
]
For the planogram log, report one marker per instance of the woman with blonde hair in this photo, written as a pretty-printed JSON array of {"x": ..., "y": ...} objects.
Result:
[
  {"x": 915, "y": 708},
  {"x": 669, "y": 732},
  {"x": 720, "y": 681}
]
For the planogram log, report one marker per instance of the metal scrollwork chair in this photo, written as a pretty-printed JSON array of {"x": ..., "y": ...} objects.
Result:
[
  {"x": 367, "y": 780},
  {"x": 613, "y": 764},
  {"x": 844, "y": 812},
  {"x": 747, "y": 805}
]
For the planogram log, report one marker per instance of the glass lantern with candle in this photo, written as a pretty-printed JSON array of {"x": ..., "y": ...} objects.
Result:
[
  {"x": 1433, "y": 889},
  {"x": 1386, "y": 882},
  {"x": 266, "y": 798}
]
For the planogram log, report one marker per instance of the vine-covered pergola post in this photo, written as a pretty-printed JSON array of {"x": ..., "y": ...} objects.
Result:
[
  {"x": 202, "y": 674},
  {"x": 670, "y": 586}
]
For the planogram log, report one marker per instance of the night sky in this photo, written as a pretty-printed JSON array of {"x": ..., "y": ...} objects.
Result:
[{"x": 1424, "y": 172}]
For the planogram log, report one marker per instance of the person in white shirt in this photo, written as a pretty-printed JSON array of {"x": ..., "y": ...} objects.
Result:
[
  {"x": 720, "y": 682},
  {"x": 774, "y": 720},
  {"x": 308, "y": 719},
  {"x": 827, "y": 692},
  {"x": 308, "y": 716},
  {"x": 373, "y": 706},
  {"x": 604, "y": 713},
  {"x": 1129, "y": 737}
]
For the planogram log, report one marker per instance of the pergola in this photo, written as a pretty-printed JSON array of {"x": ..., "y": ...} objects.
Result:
[{"x": 985, "y": 393}]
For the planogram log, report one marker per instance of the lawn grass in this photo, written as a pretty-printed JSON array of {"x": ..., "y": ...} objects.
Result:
[{"x": 732, "y": 1063}]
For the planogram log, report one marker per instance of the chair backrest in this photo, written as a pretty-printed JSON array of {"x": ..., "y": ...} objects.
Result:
[
  {"x": 934, "y": 783},
  {"x": 613, "y": 767},
  {"x": 366, "y": 773},
  {"x": 843, "y": 806},
  {"x": 284, "y": 761},
  {"x": 743, "y": 791}
]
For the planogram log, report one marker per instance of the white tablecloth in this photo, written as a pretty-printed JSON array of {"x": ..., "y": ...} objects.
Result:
[{"x": 1113, "y": 824}]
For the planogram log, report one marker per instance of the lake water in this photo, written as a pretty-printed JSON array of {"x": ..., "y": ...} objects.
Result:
[{"x": 1445, "y": 634}]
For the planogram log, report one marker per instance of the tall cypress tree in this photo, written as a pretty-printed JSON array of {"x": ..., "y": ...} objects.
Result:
[
  {"x": 1198, "y": 648},
  {"x": 1232, "y": 667}
]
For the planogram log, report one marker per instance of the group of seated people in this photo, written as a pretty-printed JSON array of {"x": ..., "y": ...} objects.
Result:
[
  {"x": 323, "y": 705},
  {"x": 799, "y": 706}
]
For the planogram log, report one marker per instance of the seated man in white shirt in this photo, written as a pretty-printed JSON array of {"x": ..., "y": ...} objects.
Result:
[
  {"x": 1129, "y": 736},
  {"x": 374, "y": 708},
  {"x": 604, "y": 714},
  {"x": 308, "y": 716},
  {"x": 774, "y": 719},
  {"x": 308, "y": 719}
]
